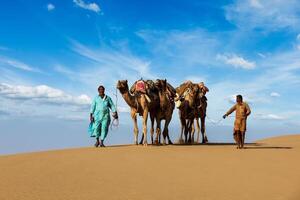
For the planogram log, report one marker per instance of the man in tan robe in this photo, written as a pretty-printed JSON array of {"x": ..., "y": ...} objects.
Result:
[{"x": 242, "y": 112}]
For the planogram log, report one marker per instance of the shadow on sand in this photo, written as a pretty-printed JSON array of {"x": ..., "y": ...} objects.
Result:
[{"x": 247, "y": 145}]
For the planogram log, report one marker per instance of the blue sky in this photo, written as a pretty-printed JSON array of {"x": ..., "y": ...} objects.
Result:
[{"x": 54, "y": 54}]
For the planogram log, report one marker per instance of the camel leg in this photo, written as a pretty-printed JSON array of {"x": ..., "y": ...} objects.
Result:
[
  {"x": 135, "y": 129},
  {"x": 186, "y": 131},
  {"x": 158, "y": 131},
  {"x": 182, "y": 121},
  {"x": 198, "y": 130},
  {"x": 142, "y": 139},
  {"x": 192, "y": 131},
  {"x": 152, "y": 127},
  {"x": 203, "y": 130},
  {"x": 145, "y": 119},
  {"x": 189, "y": 130},
  {"x": 166, "y": 131}
]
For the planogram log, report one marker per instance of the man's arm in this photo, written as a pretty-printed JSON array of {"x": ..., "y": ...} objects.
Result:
[
  {"x": 248, "y": 110},
  {"x": 230, "y": 111},
  {"x": 113, "y": 108},
  {"x": 92, "y": 110}
]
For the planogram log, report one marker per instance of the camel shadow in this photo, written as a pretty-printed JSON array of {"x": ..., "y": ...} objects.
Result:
[
  {"x": 269, "y": 147},
  {"x": 248, "y": 145},
  {"x": 212, "y": 144}
]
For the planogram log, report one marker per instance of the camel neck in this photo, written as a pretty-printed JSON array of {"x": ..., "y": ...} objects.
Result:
[{"x": 130, "y": 100}]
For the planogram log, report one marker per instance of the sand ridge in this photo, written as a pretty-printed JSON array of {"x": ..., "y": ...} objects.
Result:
[{"x": 267, "y": 169}]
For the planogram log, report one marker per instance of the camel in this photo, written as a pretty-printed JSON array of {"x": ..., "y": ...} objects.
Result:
[
  {"x": 200, "y": 109},
  {"x": 201, "y": 114},
  {"x": 186, "y": 101},
  {"x": 139, "y": 104},
  {"x": 166, "y": 96}
]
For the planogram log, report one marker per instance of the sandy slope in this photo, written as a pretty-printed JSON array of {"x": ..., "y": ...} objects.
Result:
[{"x": 267, "y": 170}]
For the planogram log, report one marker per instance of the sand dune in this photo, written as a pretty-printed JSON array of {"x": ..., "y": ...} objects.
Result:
[{"x": 269, "y": 169}]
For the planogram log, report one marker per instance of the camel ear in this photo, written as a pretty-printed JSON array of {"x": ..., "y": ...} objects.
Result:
[
  {"x": 126, "y": 81},
  {"x": 165, "y": 80}
]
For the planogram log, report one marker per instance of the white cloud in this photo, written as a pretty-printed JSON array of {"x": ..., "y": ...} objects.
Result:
[
  {"x": 114, "y": 64},
  {"x": 88, "y": 6},
  {"x": 271, "y": 117},
  {"x": 261, "y": 55},
  {"x": 274, "y": 94},
  {"x": 42, "y": 94},
  {"x": 50, "y": 7},
  {"x": 236, "y": 61},
  {"x": 267, "y": 15},
  {"x": 256, "y": 3},
  {"x": 16, "y": 64},
  {"x": 232, "y": 99}
]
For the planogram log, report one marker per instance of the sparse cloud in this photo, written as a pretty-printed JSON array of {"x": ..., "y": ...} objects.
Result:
[
  {"x": 236, "y": 61},
  {"x": 88, "y": 6},
  {"x": 50, "y": 7},
  {"x": 42, "y": 94},
  {"x": 267, "y": 15},
  {"x": 114, "y": 63},
  {"x": 261, "y": 55},
  {"x": 256, "y": 4},
  {"x": 271, "y": 117},
  {"x": 8, "y": 62},
  {"x": 274, "y": 94}
]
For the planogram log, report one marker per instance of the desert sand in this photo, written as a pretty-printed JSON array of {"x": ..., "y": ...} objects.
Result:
[{"x": 267, "y": 169}]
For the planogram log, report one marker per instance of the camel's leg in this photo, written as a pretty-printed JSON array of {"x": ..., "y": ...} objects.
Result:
[
  {"x": 182, "y": 122},
  {"x": 158, "y": 131},
  {"x": 166, "y": 131},
  {"x": 142, "y": 139},
  {"x": 135, "y": 129},
  {"x": 145, "y": 119},
  {"x": 203, "y": 130},
  {"x": 152, "y": 127},
  {"x": 186, "y": 130},
  {"x": 190, "y": 129},
  {"x": 198, "y": 130}
]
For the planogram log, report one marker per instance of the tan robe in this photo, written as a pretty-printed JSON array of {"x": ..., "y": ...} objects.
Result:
[{"x": 242, "y": 111}]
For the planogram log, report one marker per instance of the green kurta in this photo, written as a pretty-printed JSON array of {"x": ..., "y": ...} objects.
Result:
[{"x": 101, "y": 113}]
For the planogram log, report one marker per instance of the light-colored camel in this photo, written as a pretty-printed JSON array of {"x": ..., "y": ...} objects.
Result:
[
  {"x": 200, "y": 109},
  {"x": 139, "y": 104},
  {"x": 186, "y": 101}
]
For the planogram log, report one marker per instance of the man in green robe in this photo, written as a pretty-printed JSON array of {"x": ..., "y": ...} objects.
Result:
[{"x": 100, "y": 116}]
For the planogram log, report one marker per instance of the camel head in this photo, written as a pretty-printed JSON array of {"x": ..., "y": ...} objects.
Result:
[
  {"x": 187, "y": 92},
  {"x": 161, "y": 84},
  {"x": 122, "y": 86}
]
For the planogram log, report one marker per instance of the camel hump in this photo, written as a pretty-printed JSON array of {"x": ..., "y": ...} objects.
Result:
[{"x": 140, "y": 86}]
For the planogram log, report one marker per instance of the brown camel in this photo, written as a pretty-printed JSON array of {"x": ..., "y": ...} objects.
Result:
[
  {"x": 186, "y": 101},
  {"x": 140, "y": 104},
  {"x": 166, "y": 96},
  {"x": 201, "y": 114}
]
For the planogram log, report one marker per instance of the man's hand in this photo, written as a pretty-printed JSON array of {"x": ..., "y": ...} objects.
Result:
[
  {"x": 224, "y": 116},
  {"x": 115, "y": 115},
  {"x": 92, "y": 120}
]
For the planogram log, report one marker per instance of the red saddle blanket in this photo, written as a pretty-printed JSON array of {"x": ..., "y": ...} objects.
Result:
[{"x": 140, "y": 86}]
